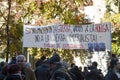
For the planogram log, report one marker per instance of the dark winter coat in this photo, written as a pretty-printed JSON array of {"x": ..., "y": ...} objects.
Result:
[
  {"x": 14, "y": 77},
  {"x": 42, "y": 72},
  {"x": 61, "y": 74},
  {"x": 78, "y": 74},
  {"x": 111, "y": 75},
  {"x": 2, "y": 76}
]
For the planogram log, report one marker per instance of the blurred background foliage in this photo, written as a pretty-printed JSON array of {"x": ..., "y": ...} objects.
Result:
[
  {"x": 113, "y": 15},
  {"x": 44, "y": 12}
]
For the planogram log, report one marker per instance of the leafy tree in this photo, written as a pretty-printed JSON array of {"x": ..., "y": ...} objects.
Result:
[
  {"x": 67, "y": 12},
  {"x": 15, "y": 28},
  {"x": 42, "y": 12},
  {"x": 113, "y": 15}
]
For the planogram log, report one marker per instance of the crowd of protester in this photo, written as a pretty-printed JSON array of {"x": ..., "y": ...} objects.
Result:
[{"x": 56, "y": 69}]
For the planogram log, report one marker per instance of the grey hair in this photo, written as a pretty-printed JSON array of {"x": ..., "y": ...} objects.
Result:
[{"x": 21, "y": 57}]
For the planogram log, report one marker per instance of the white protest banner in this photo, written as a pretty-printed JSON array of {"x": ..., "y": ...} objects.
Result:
[{"x": 92, "y": 36}]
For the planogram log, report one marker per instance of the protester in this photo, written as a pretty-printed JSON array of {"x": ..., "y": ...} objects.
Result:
[
  {"x": 86, "y": 73},
  {"x": 3, "y": 72},
  {"x": 58, "y": 70},
  {"x": 2, "y": 64},
  {"x": 42, "y": 72},
  {"x": 77, "y": 73},
  {"x": 13, "y": 60},
  {"x": 28, "y": 65},
  {"x": 113, "y": 72},
  {"x": 40, "y": 61},
  {"x": 29, "y": 74},
  {"x": 14, "y": 73},
  {"x": 94, "y": 73}
]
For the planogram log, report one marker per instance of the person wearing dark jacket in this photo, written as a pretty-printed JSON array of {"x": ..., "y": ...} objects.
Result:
[
  {"x": 57, "y": 69},
  {"x": 13, "y": 60},
  {"x": 40, "y": 61},
  {"x": 4, "y": 72},
  {"x": 14, "y": 73},
  {"x": 29, "y": 73},
  {"x": 77, "y": 73},
  {"x": 113, "y": 72},
  {"x": 94, "y": 73},
  {"x": 42, "y": 72}
]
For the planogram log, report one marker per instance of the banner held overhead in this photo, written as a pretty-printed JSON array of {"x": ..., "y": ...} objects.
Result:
[{"x": 92, "y": 36}]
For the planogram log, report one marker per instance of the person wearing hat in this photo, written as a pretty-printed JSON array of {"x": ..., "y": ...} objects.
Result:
[
  {"x": 42, "y": 72},
  {"x": 40, "y": 61},
  {"x": 113, "y": 72},
  {"x": 57, "y": 69}
]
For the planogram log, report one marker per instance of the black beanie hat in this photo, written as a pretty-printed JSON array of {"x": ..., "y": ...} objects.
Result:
[{"x": 54, "y": 58}]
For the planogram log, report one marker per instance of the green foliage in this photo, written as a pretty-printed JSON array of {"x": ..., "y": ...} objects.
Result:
[
  {"x": 114, "y": 18},
  {"x": 15, "y": 29},
  {"x": 67, "y": 12},
  {"x": 23, "y": 11}
]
